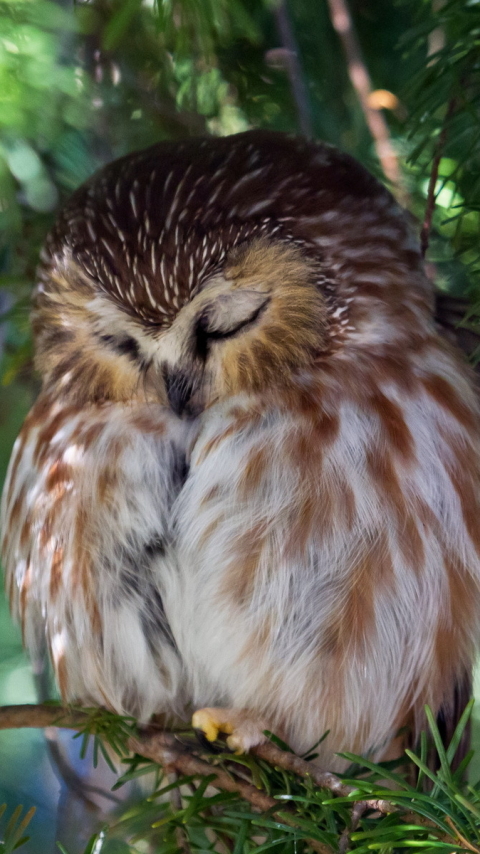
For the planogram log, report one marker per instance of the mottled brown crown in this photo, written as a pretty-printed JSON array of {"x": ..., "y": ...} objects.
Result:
[{"x": 150, "y": 228}]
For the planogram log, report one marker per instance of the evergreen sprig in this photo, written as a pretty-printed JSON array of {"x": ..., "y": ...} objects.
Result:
[
  {"x": 12, "y": 836},
  {"x": 191, "y": 813},
  {"x": 443, "y": 134},
  {"x": 107, "y": 731}
]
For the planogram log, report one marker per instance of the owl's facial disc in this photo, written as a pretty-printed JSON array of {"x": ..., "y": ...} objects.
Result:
[
  {"x": 191, "y": 347},
  {"x": 249, "y": 328}
]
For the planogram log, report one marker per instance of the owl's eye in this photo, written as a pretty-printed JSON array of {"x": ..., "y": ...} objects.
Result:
[
  {"x": 227, "y": 317},
  {"x": 124, "y": 344}
]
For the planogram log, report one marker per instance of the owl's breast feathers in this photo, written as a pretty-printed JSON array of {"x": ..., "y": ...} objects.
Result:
[{"x": 307, "y": 544}]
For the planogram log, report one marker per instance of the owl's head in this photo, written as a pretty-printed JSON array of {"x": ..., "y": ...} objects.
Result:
[
  {"x": 192, "y": 271},
  {"x": 251, "y": 325}
]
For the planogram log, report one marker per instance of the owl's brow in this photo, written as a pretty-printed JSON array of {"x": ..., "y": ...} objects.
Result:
[{"x": 124, "y": 344}]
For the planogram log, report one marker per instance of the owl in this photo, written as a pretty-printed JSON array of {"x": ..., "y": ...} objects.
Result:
[{"x": 250, "y": 486}]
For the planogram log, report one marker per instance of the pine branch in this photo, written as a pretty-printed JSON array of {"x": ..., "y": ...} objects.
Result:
[
  {"x": 164, "y": 748},
  {"x": 325, "y": 779},
  {"x": 167, "y": 750}
]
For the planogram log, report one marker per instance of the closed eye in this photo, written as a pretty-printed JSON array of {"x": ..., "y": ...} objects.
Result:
[
  {"x": 124, "y": 344},
  {"x": 206, "y": 331}
]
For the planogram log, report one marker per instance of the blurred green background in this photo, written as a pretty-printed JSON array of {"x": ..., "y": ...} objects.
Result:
[{"x": 82, "y": 83}]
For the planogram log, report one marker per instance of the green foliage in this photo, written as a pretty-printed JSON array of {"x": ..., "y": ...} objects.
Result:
[
  {"x": 186, "y": 813},
  {"x": 13, "y": 835},
  {"x": 107, "y": 730},
  {"x": 443, "y": 95}
]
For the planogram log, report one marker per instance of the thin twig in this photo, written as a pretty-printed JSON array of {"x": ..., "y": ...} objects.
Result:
[
  {"x": 41, "y": 716},
  {"x": 460, "y": 836},
  {"x": 325, "y": 779},
  {"x": 432, "y": 183},
  {"x": 357, "y": 812},
  {"x": 360, "y": 80},
  {"x": 181, "y": 837},
  {"x": 167, "y": 751}
]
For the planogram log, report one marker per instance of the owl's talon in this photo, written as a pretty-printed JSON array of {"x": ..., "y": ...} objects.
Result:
[
  {"x": 235, "y": 745},
  {"x": 206, "y": 721},
  {"x": 243, "y": 729}
]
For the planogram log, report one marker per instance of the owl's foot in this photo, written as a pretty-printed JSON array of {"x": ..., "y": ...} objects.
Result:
[{"x": 243, "y": 729}]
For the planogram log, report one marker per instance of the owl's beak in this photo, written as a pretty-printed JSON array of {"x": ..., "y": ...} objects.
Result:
[{"x": 180, "y": 390}]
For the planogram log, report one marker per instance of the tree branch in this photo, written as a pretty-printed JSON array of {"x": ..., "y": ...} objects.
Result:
[
  {"x": 160, "y": 747},
  {"x": 166, "y": 749},
  {"x": 41, "y": 716},
  {"x": 360, "y": 80},
  {"x": 325, "y": 779}
]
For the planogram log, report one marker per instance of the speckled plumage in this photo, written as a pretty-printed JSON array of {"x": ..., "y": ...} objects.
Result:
[{"x": 252, "y": 476}]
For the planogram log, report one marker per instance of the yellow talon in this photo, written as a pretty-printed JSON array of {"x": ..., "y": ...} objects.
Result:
[
  {"x": 206, "y": 724},
  {"x": 232, "y": 744},
  {"x": 210, "y": 727}
]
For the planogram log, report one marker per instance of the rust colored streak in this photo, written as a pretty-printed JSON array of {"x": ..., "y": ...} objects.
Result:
[
  {"x": 24, "y": 591},
  {"x": 212, "y": 444},
  {"x": 301, "y": 523},
  {"x": 16, "y": 513},
  {"x": 384, "y": 475},
  {"x": 467, "y": 491},
  {"x": 452, "y": 647},
  {"x": 346, "y": 504},
  {"x": 91, "y": 435},
  {"x": 49, "y": 526},
  {"x": 253, "y": 472},
  {"x": 107, "y": 484},
  {"x": 445, "y": 395},
  {"x": 326, "y": 428},
  {"x": 148, "y": 425},
  {"x": 209, "y": 531},
  {"x": 382, "y": 472},
  {"x": 393, "y": 422},
  {"x": 464, "y": 472},
  {"x": 247, "y": 553},
  {"x": 211, "y": 495},
  {"x": 352, "y": 627},
  {"x": 62, "y": 675},
  {"x": 47, "y": 434},
  {"x": 56, "y": 573},
  {"x": 25, "y": 535},
  {"x": 411, "y": 543},
  {"x": 58, "y": 474}
]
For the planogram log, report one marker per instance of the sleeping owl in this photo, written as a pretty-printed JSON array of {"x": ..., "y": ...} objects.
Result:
[{"x": 250, "y": 486}]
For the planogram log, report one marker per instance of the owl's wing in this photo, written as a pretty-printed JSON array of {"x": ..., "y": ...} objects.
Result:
[
  {"x": 86, "y": 549},
  {"x": 338, "y": 537}
]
